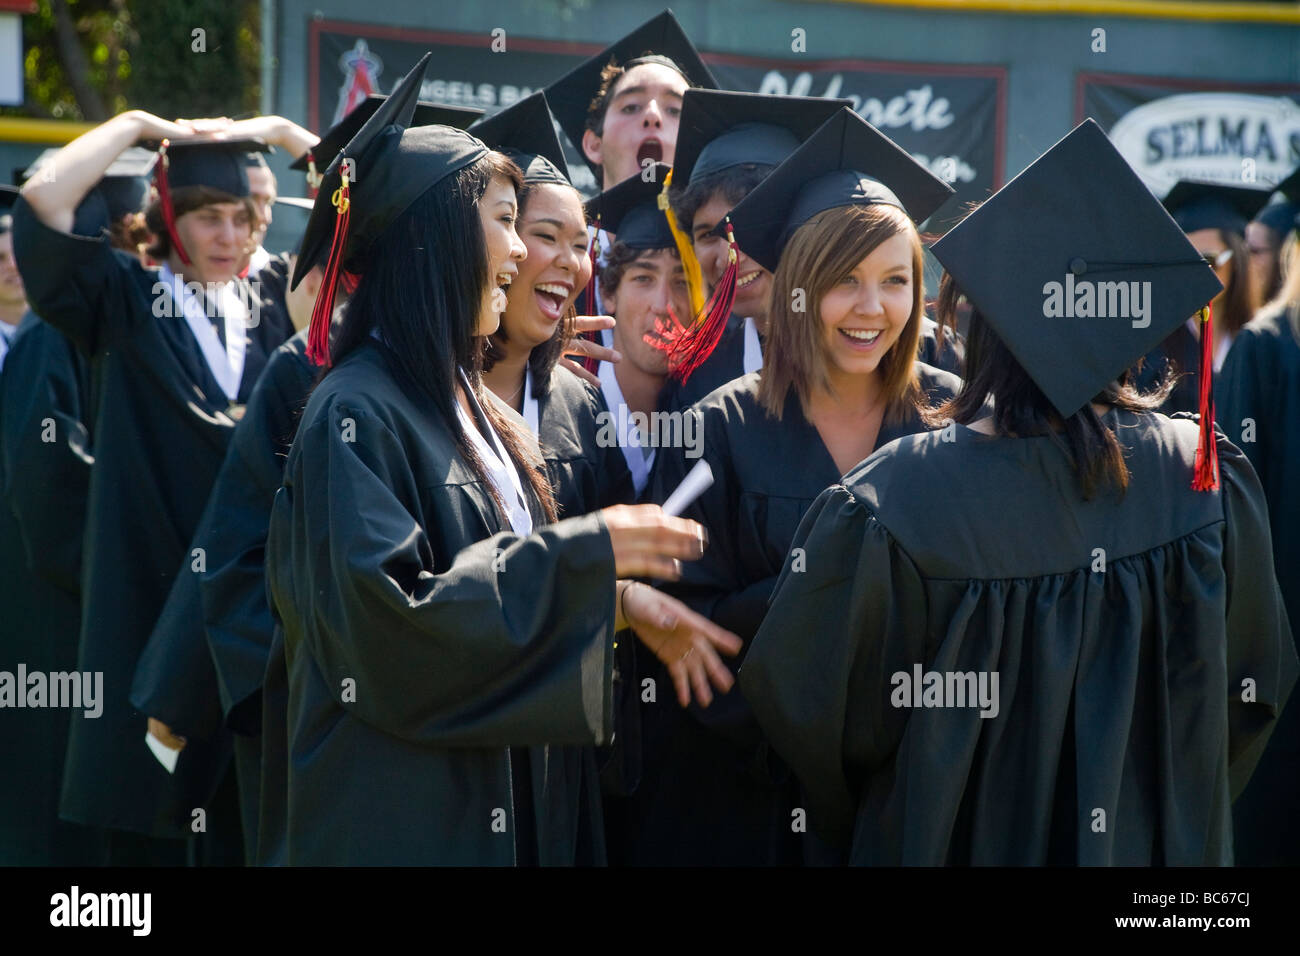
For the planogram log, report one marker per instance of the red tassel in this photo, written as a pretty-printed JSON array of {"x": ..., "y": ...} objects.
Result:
[
  {"x": 322, "y": 313},
  {"x": 1206, "y": 473},
  {"x": 689, "y": 346},
  {"x": 165, "y": 201},
  {"x": 590, "y": 363}
]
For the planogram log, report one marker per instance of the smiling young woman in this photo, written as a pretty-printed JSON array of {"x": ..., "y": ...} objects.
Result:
[
  {"x": 446, "y": 640},
  {"x": 840, "y": 379}
]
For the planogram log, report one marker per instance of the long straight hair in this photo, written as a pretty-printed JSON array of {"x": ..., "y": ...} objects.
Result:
[
  {"x": 1020, "y": 409},
  {"x": 422, "y": 285},
  {"x": 821, "y": 253}
]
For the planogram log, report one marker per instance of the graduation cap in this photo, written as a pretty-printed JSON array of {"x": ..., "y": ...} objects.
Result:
[
  {"x": 632, "y": 212},
  {"x": 525, "y": 132},
  {"x": 846, "y": 162},
  {"x": 1034, "y": 257},
  {"x": 659, "y": 40},
  {"x": 219, "y": 164},
  {"x": 721, "y": 129},
  {"x": 395, "y": 162},
  {"x": 338, "y": 135},
  {"x": 124, "y": 187},
  {"x": 1283, "y": 216},
  {"x": 1205, "y": 205}
]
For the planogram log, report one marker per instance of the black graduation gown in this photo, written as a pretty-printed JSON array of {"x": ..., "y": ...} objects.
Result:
[
  {"x": 710, "y": 792},
  {"x": 1120, "y": 734},
  {"x": 45, "y": 459},
  {"x": 727, "y": 362},
  {"x": 161, "y": 429},
  {"x": 430, "y": 655},
  {"x": 585, "y": 476},
  {"x": 1181, "y": 352},
  {"x": 1260, "y": 381}
]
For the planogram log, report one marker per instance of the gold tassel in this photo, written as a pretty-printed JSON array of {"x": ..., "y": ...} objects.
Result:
[{"x": 690, "y": 264}]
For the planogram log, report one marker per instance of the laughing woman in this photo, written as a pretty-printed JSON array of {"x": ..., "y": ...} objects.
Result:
[
  {"x": 436, "y": 644},
  {"x": 522, "y": 359},
  {"x": 839, "y": 380}
]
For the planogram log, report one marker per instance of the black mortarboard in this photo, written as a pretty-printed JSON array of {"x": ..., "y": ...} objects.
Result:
[
  {"x": 719, "y": 129},
  {"x": 288, "y": 224},
  {"x": 124, "y": 187},
  {"x": 202, "y": 161},
  {"x": 846, "y": 162},
  {"x": 631, "y": 212},
  {"x": 1205, "y": 205},
  {"x": 572, "y": 96},
  {"x": 338, "y": 135},
  {"x": 1282, "y": 216},
  {"x": 216, "y": 164},
  {"x": 395, "y": 163},
  {"x": 1078, "y": 213},
  {"x": 525, "y": 131}
]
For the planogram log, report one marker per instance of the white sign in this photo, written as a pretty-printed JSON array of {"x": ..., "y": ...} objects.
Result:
[
  {"x": 1238, "y": 138},
  {"x": 11, "y": 52}
]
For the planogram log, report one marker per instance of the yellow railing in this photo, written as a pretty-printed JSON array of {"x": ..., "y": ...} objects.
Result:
[{"x": 20, "y": 129}]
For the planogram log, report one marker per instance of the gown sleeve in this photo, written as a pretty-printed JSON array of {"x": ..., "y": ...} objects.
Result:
[
  {"x": 55, "y": 387},
  {"x": 236, "y": 612},
  {"x": 80, "y": 286},
  {"x": 834, "y": 634},
  {"x": 1260, "y": 646},
  {"x": 512, "y": 644},
  {"x": 1240, "y": 391}
]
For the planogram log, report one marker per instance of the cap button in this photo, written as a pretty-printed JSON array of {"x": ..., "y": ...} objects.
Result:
[{"x": 1078, "y": 266}]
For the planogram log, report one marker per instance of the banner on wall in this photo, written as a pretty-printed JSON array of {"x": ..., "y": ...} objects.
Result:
[
  {"x": 1172, "y": 129},
  {"x": 949, "y": 117}
]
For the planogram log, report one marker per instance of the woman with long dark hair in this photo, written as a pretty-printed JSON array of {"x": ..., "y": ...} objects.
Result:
[
  {"x": 1040, "y": 635},
  {"x": 1214, "y": 217},
  {"x": 438, "y": 638},
  {"x": 834, "y": 224}
]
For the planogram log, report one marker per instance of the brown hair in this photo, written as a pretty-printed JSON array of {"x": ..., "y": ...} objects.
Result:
[
  {"x": 187, "y": 199},
  {"x": 609, "y": 77},
  {"x": 617, "y": 261},
  {"x": 1239, "y": 299},
  {"x": 1020, "y": 409},
  {"x": 820, "y": 253},
  {"x": 129, "y": 233}
]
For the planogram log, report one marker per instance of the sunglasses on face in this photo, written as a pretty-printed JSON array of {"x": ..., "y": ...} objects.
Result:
[{"x": 1217, "y": 259}]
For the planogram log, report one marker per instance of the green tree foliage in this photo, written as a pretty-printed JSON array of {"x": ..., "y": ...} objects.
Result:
[{"x": 90, "y": 59}]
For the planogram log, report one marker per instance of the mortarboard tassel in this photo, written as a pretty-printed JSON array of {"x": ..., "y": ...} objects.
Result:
[
  {"x": 313, "y": 175},
  {"x": 688, "y": 347},
  {"x": 1206, "y": 472},
  {"x": 589, "y": 304},
  {"x": 685, "y": 251},
  {"x": 165, "y": 201},
  {"x": 322, "y": 313}
]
